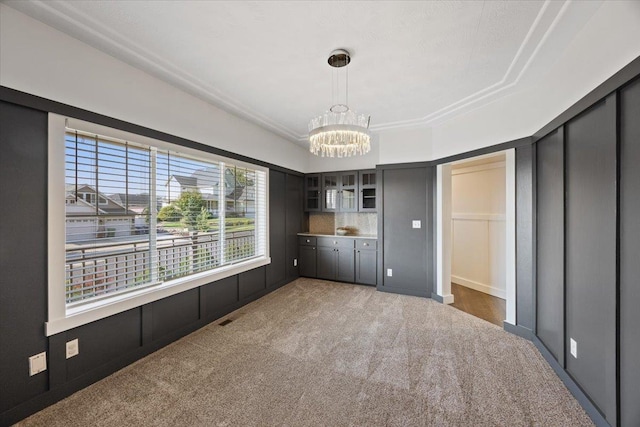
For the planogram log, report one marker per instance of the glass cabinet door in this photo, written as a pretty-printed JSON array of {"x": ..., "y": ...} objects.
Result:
[
  {"x": 330, "y": 192},
  {"x": 367, "y": 191},
  {"x": 349, "y": 192},
  {"x": 312, "y": 193}
]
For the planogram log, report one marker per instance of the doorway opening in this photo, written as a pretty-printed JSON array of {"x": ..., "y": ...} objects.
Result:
[{"x": 475, "y": 217}]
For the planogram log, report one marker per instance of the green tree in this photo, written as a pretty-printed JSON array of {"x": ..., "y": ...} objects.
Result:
[
  {"x": 190, "y": 205},
  {"x": 203, "y": 220},
  {"x": 169, "y": 213}
]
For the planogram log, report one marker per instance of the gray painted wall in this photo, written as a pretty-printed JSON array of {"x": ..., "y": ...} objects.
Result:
[
  {"x": 590, "y": 149},
  {"x": 406, "y": 196},
  {"x": 23, "y": 279},
  {"x": 550, "y": 242},
  {"x": 525, "y": 242},
  {"x": 277, "y": 271},
  {"x": 630, "y": 256}
]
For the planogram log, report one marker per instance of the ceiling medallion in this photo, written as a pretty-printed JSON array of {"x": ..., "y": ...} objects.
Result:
[{"x": 339, "y": 132}]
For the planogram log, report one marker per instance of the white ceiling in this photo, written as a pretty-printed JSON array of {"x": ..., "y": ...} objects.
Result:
[{"x": 413, "y": 63}]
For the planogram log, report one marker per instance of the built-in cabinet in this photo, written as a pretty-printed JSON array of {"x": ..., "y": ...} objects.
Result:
[
  {"x": 368, "y": 189},
  {"x": 336, "y": 259},
  {"x": 366, "y": 262},
  {"x": 351, "y": 191},
  {"x": 341, "y": 259},
  {"x": 307, "y": 253}
]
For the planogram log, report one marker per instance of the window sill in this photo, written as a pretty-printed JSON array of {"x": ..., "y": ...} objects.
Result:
[{"x": 90, "y": 312}]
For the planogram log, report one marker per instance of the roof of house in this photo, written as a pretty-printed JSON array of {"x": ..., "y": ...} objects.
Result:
[
  {"x": 185, "y": 181},
  {"x": 133, "y": 200},
  {"x": 112, "y": 207}
]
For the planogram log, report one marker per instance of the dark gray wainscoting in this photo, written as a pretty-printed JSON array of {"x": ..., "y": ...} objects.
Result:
[
  {"x": 406, "y": 196},
  {"x": 550, "y": 244},
  {"x": 525, "y": 241},
  {"x": 276, "y": 271},
  {"x": 23, "y": 251},
  {"x": 590, "y": 244},
  {"x": 630, "y": 255}
]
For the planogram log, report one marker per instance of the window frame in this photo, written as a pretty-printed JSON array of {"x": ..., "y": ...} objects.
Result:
[{"x": 60, "y": 316}]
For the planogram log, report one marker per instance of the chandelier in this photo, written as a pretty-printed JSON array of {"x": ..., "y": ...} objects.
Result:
[{"x": 340, "y": 132}]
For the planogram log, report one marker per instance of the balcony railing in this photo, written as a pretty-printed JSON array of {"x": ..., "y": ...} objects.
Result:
[{"x": 94, "y": 270}]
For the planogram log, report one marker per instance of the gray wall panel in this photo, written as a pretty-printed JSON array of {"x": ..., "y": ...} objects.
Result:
[
  {"x": 220, "y": 295},
  {"x": 103, "y": 341},
  {"x": 175, "y": 312},
  {"x": 550, "y": 243},
  {"x": 23, "y": 253},
  {"x": 405, "y": 249},
  {"x": 251, "y": 282},
  {"x": 293, "y": 226},
  {"x": 590, "y": 149},
  {"x": 525, "y": 248},
  {"x": 630, "y": 256},
  {"x": 276, "y": 271}
]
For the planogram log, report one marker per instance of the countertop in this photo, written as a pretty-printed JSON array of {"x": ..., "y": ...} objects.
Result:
[{"x": 349, "y": 236}]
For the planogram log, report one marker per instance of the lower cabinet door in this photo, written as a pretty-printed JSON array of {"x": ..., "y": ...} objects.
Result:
[
  {"x": 326, "y": 263},
  {"x": 367, "y": 267},
  {"x": 345, "y": 263},
  {"x": 308, "y": 261}
]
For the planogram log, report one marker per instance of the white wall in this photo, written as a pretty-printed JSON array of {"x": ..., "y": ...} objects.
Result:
[
  {"x": 478, "y": 224},
  {"x": 405, "y": 145},
  {"x": 39, "y": 60}
]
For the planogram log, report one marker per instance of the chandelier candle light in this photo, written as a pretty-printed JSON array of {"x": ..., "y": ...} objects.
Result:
[{"x": 340, "y": 132}]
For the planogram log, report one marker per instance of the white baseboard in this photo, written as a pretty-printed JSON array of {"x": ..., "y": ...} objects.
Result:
[{"x": 500, "y": 293}]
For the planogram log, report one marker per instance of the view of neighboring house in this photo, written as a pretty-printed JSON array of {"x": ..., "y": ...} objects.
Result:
[
  {"x": 87, "y": 220},
  {"x": 240, "y": 199},
  {"x": 137, "y": 203}
]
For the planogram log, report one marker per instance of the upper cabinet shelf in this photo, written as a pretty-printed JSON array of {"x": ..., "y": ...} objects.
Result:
[{"x": 351, "y": 191}]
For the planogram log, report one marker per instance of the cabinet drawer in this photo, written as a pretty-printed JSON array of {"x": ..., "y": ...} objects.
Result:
[
  {"x": 366, "y": 244},
  {"x": 336, "y": 242},
  {"x": 307, "y": 240}
]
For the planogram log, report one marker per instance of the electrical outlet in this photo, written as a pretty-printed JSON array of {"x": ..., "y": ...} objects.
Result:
[
  {"x": 72, "y": 348},
  {"x": 574, "y": 348},
  {"x": 295, "y": 262},
  {"x": 416, "y": 223},
  {"x": 37, "y": 363},
  {"x": 389, "y": 272}
]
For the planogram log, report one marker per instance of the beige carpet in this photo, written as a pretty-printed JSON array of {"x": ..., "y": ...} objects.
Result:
[{"x": 323, "y": 353}]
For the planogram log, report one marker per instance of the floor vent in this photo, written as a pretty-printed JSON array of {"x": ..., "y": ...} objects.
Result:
[{"x": 225, "y": 322}]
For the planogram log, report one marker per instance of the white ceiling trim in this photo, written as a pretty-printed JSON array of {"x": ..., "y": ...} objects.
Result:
[
  {"x": 547, "y": 19},
  {"x": 157, "y": 66},
  {"x": 507, "y": 82}
]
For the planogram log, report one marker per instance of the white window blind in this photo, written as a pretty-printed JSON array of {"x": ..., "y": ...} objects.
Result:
[{"x": 140, "y": 216}]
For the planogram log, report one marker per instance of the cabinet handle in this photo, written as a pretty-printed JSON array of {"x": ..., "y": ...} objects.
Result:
[
  {"x": 366, "y": 244},
  {"x": 308, "y": 241}
]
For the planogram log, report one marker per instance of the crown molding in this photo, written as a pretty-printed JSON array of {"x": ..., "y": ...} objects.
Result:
[{"x": 545, "y": 22}]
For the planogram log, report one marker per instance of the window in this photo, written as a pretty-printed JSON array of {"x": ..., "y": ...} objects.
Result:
[{"x": 158, "y": 228}]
